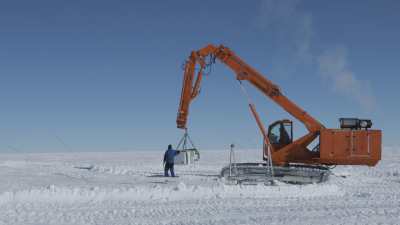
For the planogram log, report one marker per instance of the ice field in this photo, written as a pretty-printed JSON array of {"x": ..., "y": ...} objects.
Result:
[{"x": 128, "y": 188}]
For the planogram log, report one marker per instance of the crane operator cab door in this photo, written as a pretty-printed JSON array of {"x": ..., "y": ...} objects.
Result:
[{"x": 280, "y": 133}]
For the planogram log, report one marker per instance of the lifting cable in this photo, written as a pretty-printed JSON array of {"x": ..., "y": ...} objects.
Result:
[
  {"x": 255, "y": 114},
  {"x": 184, "y": 141}
]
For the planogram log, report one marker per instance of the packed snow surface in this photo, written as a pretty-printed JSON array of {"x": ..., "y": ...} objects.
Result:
[{"x": 128, "y": 188}]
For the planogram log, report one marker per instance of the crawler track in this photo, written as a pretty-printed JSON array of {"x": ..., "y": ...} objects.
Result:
[{"x": 259, "y": 172}]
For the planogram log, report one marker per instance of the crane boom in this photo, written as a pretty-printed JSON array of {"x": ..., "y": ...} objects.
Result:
[{"x": 243, "y": 72}]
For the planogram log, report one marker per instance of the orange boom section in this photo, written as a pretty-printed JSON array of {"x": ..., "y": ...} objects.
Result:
[{"x": 349, "y": 145}]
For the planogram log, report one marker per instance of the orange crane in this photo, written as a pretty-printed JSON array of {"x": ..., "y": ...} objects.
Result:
[{"x": 354, "y": 143}]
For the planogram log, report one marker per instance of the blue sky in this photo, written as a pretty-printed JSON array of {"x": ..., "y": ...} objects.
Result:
[{"x": 106, "y": 75}]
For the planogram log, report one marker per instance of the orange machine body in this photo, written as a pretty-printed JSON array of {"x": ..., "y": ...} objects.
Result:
[
  {"x": 336, "y": 146},
  {"x": 350, "y": 147}
]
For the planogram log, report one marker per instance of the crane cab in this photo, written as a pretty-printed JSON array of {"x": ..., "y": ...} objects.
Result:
[{"x": 280, "y": 133}]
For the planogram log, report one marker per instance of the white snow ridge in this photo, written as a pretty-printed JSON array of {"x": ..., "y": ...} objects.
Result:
[{"x": 128, "y": 188}]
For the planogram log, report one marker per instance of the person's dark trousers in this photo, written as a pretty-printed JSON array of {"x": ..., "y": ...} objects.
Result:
[{"x": 170, "y": 167}]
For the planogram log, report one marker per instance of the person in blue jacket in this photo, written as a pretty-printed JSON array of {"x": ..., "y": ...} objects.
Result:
[{"x": 169, "y": 157}]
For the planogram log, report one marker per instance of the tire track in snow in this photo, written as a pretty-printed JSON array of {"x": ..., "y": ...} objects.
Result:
[{"x": 177, "y": 192}]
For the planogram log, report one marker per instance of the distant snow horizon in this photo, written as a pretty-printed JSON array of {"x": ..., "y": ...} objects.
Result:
[{"x": 385, "y": 149}]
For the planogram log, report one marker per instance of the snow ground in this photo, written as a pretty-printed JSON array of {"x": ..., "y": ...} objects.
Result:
[{"x": 128, "y": 188}]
